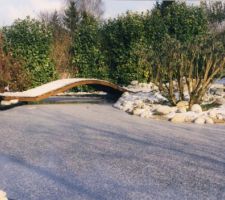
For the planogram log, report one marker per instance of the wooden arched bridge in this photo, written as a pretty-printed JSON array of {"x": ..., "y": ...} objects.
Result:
[{"x": 59, "y": 86}]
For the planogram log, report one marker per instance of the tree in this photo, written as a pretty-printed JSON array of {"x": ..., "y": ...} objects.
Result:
[
  {"x": 216, "y": 14},
  {"x": 71, "y": 16},
  {"x": 92, "y": 7}
]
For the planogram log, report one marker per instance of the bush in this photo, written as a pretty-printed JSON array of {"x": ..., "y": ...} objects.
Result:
[
  {"x": 121, "y": 36},
  {"x": 30, "y": 40},
  {"x": 12, "y": 73},
  {"x": 88, "y": 58}
]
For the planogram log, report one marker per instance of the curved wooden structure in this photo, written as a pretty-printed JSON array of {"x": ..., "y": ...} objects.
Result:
[{"x": 59, "y": 86}]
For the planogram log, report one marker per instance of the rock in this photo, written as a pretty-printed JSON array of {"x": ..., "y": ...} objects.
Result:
[
  {"x": 219, "y": 92},
  {"x": 220, "y": 100},
  {"x": 134, "y": 83},
  {"x": 170, "y": 115},
  {"x": 182, "y": 110},
  {"x": 138, "y": 111},
  {"x": 208, "y": 120},
  {"x": 190, "y": 116},
  {"x": 178, "y": 118},
  {"x": 200, "y": 120},
  {"x": 3, "y": 195},
  {"x": 196, "y": 108},
  {"x": 164, "y": 110},
  {"x": 212, "y": 113},
  {"x": 182, "y": 104},
  {"x": 5, "y": 103},
  {"x": 14, "y": 101},
  {"x": 146, "y": 114},
  {"x": 127, "y": 106}
]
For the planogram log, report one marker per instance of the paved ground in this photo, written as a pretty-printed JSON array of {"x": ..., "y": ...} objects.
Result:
[{"x": 73, "y": 152}]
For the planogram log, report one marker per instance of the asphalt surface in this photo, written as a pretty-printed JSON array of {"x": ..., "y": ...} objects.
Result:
[{"x": 95, "y": 152}]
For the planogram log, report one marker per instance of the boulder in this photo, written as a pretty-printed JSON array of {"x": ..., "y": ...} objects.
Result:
[
  {"x": 138, "y": 111},
  {"x": 190, "y": 116},
  {"x": 200, "y": 120},
  {"x": 182, "y": 104},
  {"x": 208, "y": 120},
  {"x": 3, "y": 195},
  {"x": 6, "y": 103},
  {"x": 127, "y": 106},
  {"x": 182, "y": 110},
  {"x": 164, "y": 110},
  {"x": 196, "y": 108},
  {"x": 134, "y": 83},
  {"x": 178, "y": 118},
  {"x": 220, "y": 100},
  {"x": 14, "y": 101}
]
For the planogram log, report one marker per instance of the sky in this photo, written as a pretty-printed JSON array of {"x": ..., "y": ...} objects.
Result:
[{"x": 14, "y": 9}]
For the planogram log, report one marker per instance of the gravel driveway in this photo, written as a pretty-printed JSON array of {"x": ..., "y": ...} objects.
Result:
[{"x": 89, "y": 151}]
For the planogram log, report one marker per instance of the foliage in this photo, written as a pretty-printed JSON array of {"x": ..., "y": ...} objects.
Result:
[
  {"x": 88, "y": 59},
  {"x": 120, "y": 36},
  {"x": 30, "y": 40},
  {"x": 215, "y": 11},
  {"x": 12, "y": 73},
  {"x": 193, "y": 65},
  {"x": 71, "y": 16}
]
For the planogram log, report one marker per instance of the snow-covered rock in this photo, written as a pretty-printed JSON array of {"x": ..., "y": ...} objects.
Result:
[
  {"x": 196, "y": 108},
  {"x": 200, "y": 120},
  {"x": 6, "y": 103},
  {"x": 150, "y": 103},
  {"x": 164, "y": 110},
  {"x": 182, "y": 104},
  {"x": 134, "y": 83},
  {"x": 208, "y": 120},
  {"x": 220, "y": 100},
  {"x": 178, "y": 118},
  {"x": 3, "y": 195}
]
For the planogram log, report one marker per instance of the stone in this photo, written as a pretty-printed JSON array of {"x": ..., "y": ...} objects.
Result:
[
  {"x": 138, "y": 111},
  {"x": 178, "y": 118},
  {"x": 182, "y": 104},
  {"x": 127, "y": 106},
  {"x": 220, "y": 100},
  {"x": 200, "y": 120},
  {"x": 5, "y": 103},
  {"x": 208, "y": 120},
  {"x": 182, "y": 110},
  {"x": 146, "y": 114},
  {"x": 190, "y": 116},
  {"x": 196, "y": 108},
  {"x": 14, "y": 101},
  {"x": 164, "y": 110},
  {"x": 3, "y": 195},
  {"x": 212, "y": 113},
  {"x": 134, "y": 83}
]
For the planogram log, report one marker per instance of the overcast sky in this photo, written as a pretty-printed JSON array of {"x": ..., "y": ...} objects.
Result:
[{"x": 13, "y": 9}]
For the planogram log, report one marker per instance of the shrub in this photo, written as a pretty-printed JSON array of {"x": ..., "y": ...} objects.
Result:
[
  {"x": 121, "y": 36},
  {"x": 88, "y": 58},
  {"x": 12, "y": 73},
  {"x": 30, "y": 40}
]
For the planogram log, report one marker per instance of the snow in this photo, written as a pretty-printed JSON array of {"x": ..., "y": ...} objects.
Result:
[{"x": 43, "y": 89}]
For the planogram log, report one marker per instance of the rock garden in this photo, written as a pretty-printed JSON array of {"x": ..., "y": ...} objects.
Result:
[{"x": 148, "y": 102}]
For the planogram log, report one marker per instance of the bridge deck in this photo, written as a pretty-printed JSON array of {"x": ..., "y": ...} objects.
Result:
[{"x": 58, "y": 86}]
